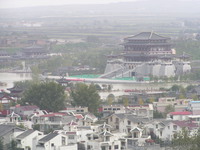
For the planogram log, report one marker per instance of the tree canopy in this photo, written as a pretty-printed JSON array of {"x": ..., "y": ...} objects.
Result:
[
  {"x": 86, "y": 95},
  {"x": 47, "y": 95},
  {"x": 185, "y": 141}
]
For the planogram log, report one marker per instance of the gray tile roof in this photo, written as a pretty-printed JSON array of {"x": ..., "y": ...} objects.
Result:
[
  {"x": 132, "y": 118},
  {"x": 48, "y": 137},
  {"x": 25, "y": 134},
  {"x": 121, "y": 116},
  {"x": 4, "y": 129},
  {"x": 147, "y": 35}
]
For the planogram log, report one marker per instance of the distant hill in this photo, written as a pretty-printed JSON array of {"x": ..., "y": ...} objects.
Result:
[{"x": 138, "y": 7}]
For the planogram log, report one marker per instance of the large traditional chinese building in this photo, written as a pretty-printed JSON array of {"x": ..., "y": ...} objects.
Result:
[{"x": 146, "y": 54}]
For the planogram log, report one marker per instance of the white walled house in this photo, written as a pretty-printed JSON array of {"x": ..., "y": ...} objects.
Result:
[
  {"x": 136, "y": 138},
  {"x": 141, "y": 110},
  {"x": 194, "y": 107},
  {"x": 28, "y": 139},
  {"x": 184, "y": 115},
  {"x": 125, "y": 122},
  {"x": 167, "y": 130},
  {"x": 9, "y": 132},
  {"x": 54, "y": 141},
  {"x": 104, "y": 139}
]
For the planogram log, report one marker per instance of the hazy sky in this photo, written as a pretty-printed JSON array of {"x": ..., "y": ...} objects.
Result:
[{"x": 25, "y": 3}]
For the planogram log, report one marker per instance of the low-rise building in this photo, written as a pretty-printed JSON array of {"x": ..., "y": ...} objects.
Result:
[
  {"x": 28, "y": 139},
  {"x": 194, "y": 107},
  {"x": 9, "y": 132},
  {"x": 54, "y": 141},
  {"x": 183, "y": 115}
]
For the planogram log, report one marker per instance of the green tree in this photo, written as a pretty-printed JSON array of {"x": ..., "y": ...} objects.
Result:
[
  {"x": 87, "y": 96},
  {"x": 125, "y": 101},
  {"x": 12, "y": 145},
  {"x": 168, "y": 109},
  {"x": 157, "y": 114},
  {"x": 140, "y": 101},
  {"x": 184, "y": 141},
  {"x": 47, "y": 95},
  {"x": 110, "y": 99}
]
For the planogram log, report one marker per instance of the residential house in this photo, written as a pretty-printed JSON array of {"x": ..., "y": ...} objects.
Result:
[
  {"x": 88, "y": 119},
  {"x": 141, "y": 110},
  {"x": 194, "y": 107},
  {"x": 9, "y": 132},
  {"x": 25, "y": 111},
  {"x": 28, "y": 139},
  {"x": 55, "y": 141},
  {"x": 76, "y": 109},
  {"x": 106, "y": 110},
  {"x": 13, "y": 118},
  {"x": 53, "y": 121},
  {"x": 166, "y": 130},
  {"x": 104, "y": 139},
  {"x": 194, "y": 118},
  {"x": 183, "y": 115},
  {"x": 137, "y": 138},
  {"x": 163, "y": 102},
  {"x": 125, "y": 122}
]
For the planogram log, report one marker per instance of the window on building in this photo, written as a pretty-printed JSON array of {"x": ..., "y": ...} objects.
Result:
[
  {"x": 175, "y": 127},
  {"x": 135, "y": 134},
  {"x": 116, "y": 146},
  {"x": 129, "y": 122},
  {"x": 71, "y": 137},
  {"x": 107, "y": 138},
  {"x": 160, "y": 133},
  {"x": 117, "y": 120},
  {"x": 63, "y": 141},
  {"x": 52, "y": 144}
]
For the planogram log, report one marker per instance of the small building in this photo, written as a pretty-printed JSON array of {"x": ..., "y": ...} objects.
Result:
[
  {"x": 6, "y": 100},
  {"x": 25, "y": 111},
  {"x": 34, "y": 52},
  {"x": 9, "y": 132},
  {"x": 54, "y": 141},
  {"x": 194, "y": 107},
  {"x": 28, "y": 139},
  {"x": 168, "y": 129},
  {"x": 141, "y": 110},
  {"x": 184, "y": 115},
  {"x": 15, "y": 91},
  {"x": 103, "y": 139},
  {"x": 109, "y": 109}
]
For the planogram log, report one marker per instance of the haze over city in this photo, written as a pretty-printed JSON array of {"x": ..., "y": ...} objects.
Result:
[{"x": 99, "y": 74}]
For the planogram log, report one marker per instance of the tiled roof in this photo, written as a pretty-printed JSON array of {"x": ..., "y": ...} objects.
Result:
[
  {"x": 53, "y": 114},
  {"x": 48, "y": 137},
  {"x": 29, "y": 107},
  {"x": 72, "y": 123},
  {"x": 181, "y": 113},
  {"x": 188, "y": 124},
  {"x": 71, "y": 133},
  {"x": 146, "y": 36},
  {"x": 25, "y": 134},
  {"x": 7, "y": 128},
  {"x": 79, "y": 116},
  {"x": 105, "y": 133}
]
